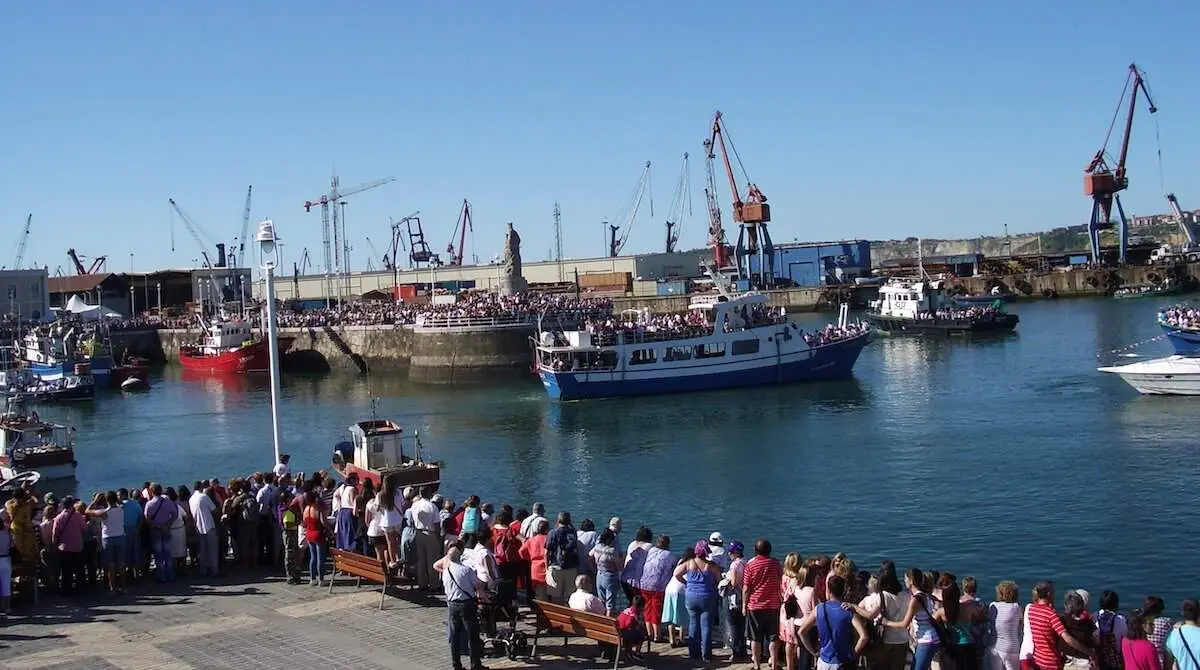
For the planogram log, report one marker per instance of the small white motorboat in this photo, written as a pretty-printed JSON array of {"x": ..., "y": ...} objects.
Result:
[
  {"x": 1173, "y": 375},
  {"x": 133, "y": 384}
]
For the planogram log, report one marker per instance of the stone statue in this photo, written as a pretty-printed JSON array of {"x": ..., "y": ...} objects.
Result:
[
  {"x": 512, "y": 281},
  {"x": 512, "y": 253}
]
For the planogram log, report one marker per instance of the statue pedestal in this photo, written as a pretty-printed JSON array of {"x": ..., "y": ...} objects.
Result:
[{"x": 511, "y": 285}]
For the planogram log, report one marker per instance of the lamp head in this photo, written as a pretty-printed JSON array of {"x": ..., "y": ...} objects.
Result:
[{"x": 267, "y": 241}]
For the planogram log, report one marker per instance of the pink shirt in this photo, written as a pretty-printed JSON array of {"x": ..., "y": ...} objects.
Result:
[
  {"x": 1140, "y": 655},
  {"x": 68, "y": 526}
]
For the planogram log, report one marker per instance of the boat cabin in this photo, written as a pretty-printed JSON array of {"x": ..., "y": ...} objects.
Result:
[
  {"x": 907, "y": 299},
  {"x": 378, "y": 445},
  {"x": 224, "y": 335}
]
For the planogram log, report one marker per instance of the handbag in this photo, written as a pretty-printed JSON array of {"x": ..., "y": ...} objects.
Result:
[
  {"x": 939, "y": 628},
  {"x": 880, "y": 628}
]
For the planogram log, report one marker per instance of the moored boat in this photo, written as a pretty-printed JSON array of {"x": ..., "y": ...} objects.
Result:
[
  {"x": 1171, "y": 375},
  {"x": 1169, "y": 286},
  {"x": 131, "y": 372},
  {"x": 724, "y": 341},
  {"x": 57, "y": 351},
  {"x": 376, "y": 451},
  {"x": 918, "y": 306},
  {"x": 29, "y": 444},
  {"x": 229, "y": 347}
]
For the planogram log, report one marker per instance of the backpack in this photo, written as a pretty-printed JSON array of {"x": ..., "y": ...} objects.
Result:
[
  {"x": 1106, "y": 642},
  {"x": 250, "y": 510},
  {"x": 508, "y": 548}
]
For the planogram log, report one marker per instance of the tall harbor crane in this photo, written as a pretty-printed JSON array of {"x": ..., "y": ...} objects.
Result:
[
  {"x": 722, "y": 253},
  {"x": 1103, "y": 182},
  {"x": 333, "y": 261},
  {"x": 464, "y": 224},
  {"x": 752, "y": 214},
  {"x": 681, "y": 202},
  {"x": 644, "y": 186},
  {"x": 299, "y": 268},
  {"x": 387, "y": 263},
  {"x": 23, "y": 243},
  {"x": 198, "y": 235},
  {"x": 241, "y": 251},
  {"x": 399, "y": 230}
]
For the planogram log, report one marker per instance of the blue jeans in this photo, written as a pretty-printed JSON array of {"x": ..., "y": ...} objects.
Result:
[
  {"x": 923, "y": 656},
  {"x": 160, "y": 544},
  {"x": 607, "y": 588},
  {"x": 701, "y": 612},
  {"x": 133, "y": 548},
  {"x": 316, "y": 560}
]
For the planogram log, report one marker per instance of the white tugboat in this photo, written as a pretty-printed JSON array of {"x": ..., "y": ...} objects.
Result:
[{"x": 917, "y": 306}]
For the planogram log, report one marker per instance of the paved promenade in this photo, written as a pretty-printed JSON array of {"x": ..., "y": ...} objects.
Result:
[{"x": 247, "y": 622}]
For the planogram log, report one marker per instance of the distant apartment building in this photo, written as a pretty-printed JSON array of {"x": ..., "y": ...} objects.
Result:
[{"x": 25, "y": 294}]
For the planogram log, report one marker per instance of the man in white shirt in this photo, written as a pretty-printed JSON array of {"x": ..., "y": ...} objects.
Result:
[
  {"x": 281, "y": 468},
  {"x": 584, "y": 599},
  {"x": 531, "y": 522},
  {"x": 462, "y": 610},
  {"x": 268, "y": 508},
  {"x": 427, "y": 524},
  {"x": 202, "y": 508}
]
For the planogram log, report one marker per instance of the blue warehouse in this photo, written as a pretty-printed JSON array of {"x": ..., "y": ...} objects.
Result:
[{"x": 819, "y": 263}]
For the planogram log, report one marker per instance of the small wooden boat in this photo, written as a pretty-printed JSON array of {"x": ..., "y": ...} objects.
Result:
[
  {"x": 376, "y": 452},
  {"x": 1168, "y": 287}
]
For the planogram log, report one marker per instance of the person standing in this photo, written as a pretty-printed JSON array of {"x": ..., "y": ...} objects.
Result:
[
  {"x": 836, "y": 626},
  {"x": 700, "y": 577},
  {"x": 1046, "y": 629},
  {"x": 462, "y": 610},
  {"x": 426, "y": 520},
  {"x": 160, "y": 514},
  {"x": 731, "y": 596},
  {"x": 761, "y": 601},
  {"x": 202, "y": 507},
  {"x": 562, "y": 560},
  {"x": 282, "y": 469},
  {"x": 290, "y": 524},
  {"x": 68, "y": 536},
  {"x": 1183, "y": 643}
]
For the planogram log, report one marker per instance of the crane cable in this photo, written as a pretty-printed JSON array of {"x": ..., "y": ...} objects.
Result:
[
  {"x": 1116, "y": 113},
  {"x": 1162, "y": 184},
  {"x": 737, "y": 157}
]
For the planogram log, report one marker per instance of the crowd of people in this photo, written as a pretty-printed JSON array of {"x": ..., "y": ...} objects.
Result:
[
  {"x": 834, "y": 333},
  {"x": 801, "y": 613},
  {"x": 974, "y": 312},
  {"x": 1180, "y": 316}
]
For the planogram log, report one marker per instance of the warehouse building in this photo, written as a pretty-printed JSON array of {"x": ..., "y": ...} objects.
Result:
[
  {"x": 819, "y": 263},
  {"x": 26, "y": 294}
]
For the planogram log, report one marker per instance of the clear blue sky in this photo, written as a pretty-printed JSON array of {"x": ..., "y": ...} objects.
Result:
[{"x": 869, "y": 119}]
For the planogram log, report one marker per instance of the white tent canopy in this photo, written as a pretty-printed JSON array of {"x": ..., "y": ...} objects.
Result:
[{"x": 78, "y": 307}]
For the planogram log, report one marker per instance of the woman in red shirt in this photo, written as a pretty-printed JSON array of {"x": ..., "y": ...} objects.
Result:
[
  {"x": 534, "y": 551},
  {"x": 315, "y": 528}
]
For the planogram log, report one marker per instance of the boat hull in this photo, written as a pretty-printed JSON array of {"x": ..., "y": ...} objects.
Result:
[
  {"x": 51, "y": 466},
  {"x": 428, "y": 475},
  {"x": 255, "y": 357},
  {"x": 1185, "y": 341},
  {"x": 901, "y": 326},
  {"x": 1173, "y": 375},
  {"x": 832, "y": 361},
  {"x": 98, "y": 367}
]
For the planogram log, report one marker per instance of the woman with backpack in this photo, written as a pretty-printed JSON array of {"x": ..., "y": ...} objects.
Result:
[{"x": 1111, "y": 628}]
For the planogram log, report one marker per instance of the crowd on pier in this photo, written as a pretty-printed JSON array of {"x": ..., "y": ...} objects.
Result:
[
  {"x": 712, "y": 595},
  {"x": 1180, "y": 316}
]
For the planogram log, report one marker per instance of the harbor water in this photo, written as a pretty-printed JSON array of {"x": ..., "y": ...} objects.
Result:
[{"x": 1003, "y": 458}]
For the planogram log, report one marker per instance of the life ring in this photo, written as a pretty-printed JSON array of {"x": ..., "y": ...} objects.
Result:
[
  {"x": 1093, "y": 282},
  {"x": 1153, "y": 276}
]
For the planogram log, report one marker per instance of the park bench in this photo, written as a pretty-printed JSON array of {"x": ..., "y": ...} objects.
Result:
[
  {"x": 360, "y": 567},
  {"x": 559, "y": 620}
]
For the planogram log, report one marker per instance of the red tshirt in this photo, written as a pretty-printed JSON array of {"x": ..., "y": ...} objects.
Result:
[
  {"x": 762, "y": 577},
  {"x": 1045, "y": 627},
  {"x": 534, "y": 551}
]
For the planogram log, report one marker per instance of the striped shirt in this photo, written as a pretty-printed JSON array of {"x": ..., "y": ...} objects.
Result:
[
  {"x": 1045, "y": 627},
  {"x": 761, "y": 578}
]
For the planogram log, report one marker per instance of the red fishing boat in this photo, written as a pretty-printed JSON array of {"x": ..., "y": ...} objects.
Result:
[
  {"x": 229, "y": 347},
  {"x": 376, "y": 452}
]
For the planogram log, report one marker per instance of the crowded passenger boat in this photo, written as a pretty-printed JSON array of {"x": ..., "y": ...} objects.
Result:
[
  {"x": 918, "y": 306},
  {"x": 1181, "y": 324},
  {"x": 723, "y": 341}
]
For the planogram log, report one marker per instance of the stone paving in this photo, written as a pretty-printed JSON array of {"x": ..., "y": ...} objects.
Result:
[{"x": 240, "y": 621}]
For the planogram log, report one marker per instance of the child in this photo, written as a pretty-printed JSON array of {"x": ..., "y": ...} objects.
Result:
[
  {"x": 291, "y": 537},
  {"x": 633, "y": 628}
]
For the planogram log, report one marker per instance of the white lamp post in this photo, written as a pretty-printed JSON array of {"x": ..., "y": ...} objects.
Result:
[
  {"x": 267, "y": 249},
  {"x": 158, "y": 290}
]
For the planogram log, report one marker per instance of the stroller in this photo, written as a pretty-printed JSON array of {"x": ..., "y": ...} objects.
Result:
[{"x": 497, "y": 605}]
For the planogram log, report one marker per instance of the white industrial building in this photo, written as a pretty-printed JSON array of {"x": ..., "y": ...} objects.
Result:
[
  {"x": 487, "y": 277},
  {"x": 26, "y": 294}
]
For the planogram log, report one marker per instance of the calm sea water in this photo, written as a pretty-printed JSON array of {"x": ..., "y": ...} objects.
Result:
[{"x": 1008, "y": 458}]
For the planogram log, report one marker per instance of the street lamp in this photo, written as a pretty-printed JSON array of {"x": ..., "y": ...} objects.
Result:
[
  {"x": 132, "y": 304},
  {"x": 158, "y": 290},
  {"x": 267, "y": 256}
]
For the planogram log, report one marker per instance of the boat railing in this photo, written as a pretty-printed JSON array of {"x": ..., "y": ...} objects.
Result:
[{"x": 522, "y": 319}]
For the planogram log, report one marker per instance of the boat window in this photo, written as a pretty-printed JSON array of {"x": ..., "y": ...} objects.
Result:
[
  {"x": 715, "y": 350},
  {"x": 641, "y": 356},
  {"x": 745, "y": 347},
  {"x": 679, "y": 354}
]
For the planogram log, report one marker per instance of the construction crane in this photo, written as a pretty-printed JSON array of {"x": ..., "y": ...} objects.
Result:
[
  {"x": 644, "y": 185},
  {"x": 681, "y": 201},
  {"x": 1102, "y": 182},
  {"x": 241, "y": 252},
  {"x": 1189, "y": 251},
  {"x": 387, "y": 263},
  {"x": 299, "y": 268},
  {"x": 23, "y": 242},
  {"x": 460, "y": 228},
  {"x": 98, "y": 263},
  {"x": 752, "y": 214},
  {"x": 332, "y": 253},
  {"x": 194, "y": 230}
]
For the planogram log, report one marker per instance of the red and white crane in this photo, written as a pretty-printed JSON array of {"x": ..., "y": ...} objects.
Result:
[
  {"x": 752, "y": 213},
  {"x": 1102, "y": 182}
]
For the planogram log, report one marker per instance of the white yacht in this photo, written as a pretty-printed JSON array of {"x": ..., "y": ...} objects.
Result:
[{"x": 1172, "y": 375}]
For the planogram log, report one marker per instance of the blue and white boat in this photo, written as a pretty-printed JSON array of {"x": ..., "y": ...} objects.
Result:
[
  {"x": 58, "y": 352},
  {"x": 723, "y": 342}
]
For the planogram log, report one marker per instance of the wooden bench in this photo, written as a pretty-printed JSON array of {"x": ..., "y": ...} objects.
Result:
[
  {"x": 360, "y": 567},
  {"x": 560, "y": 620}
]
